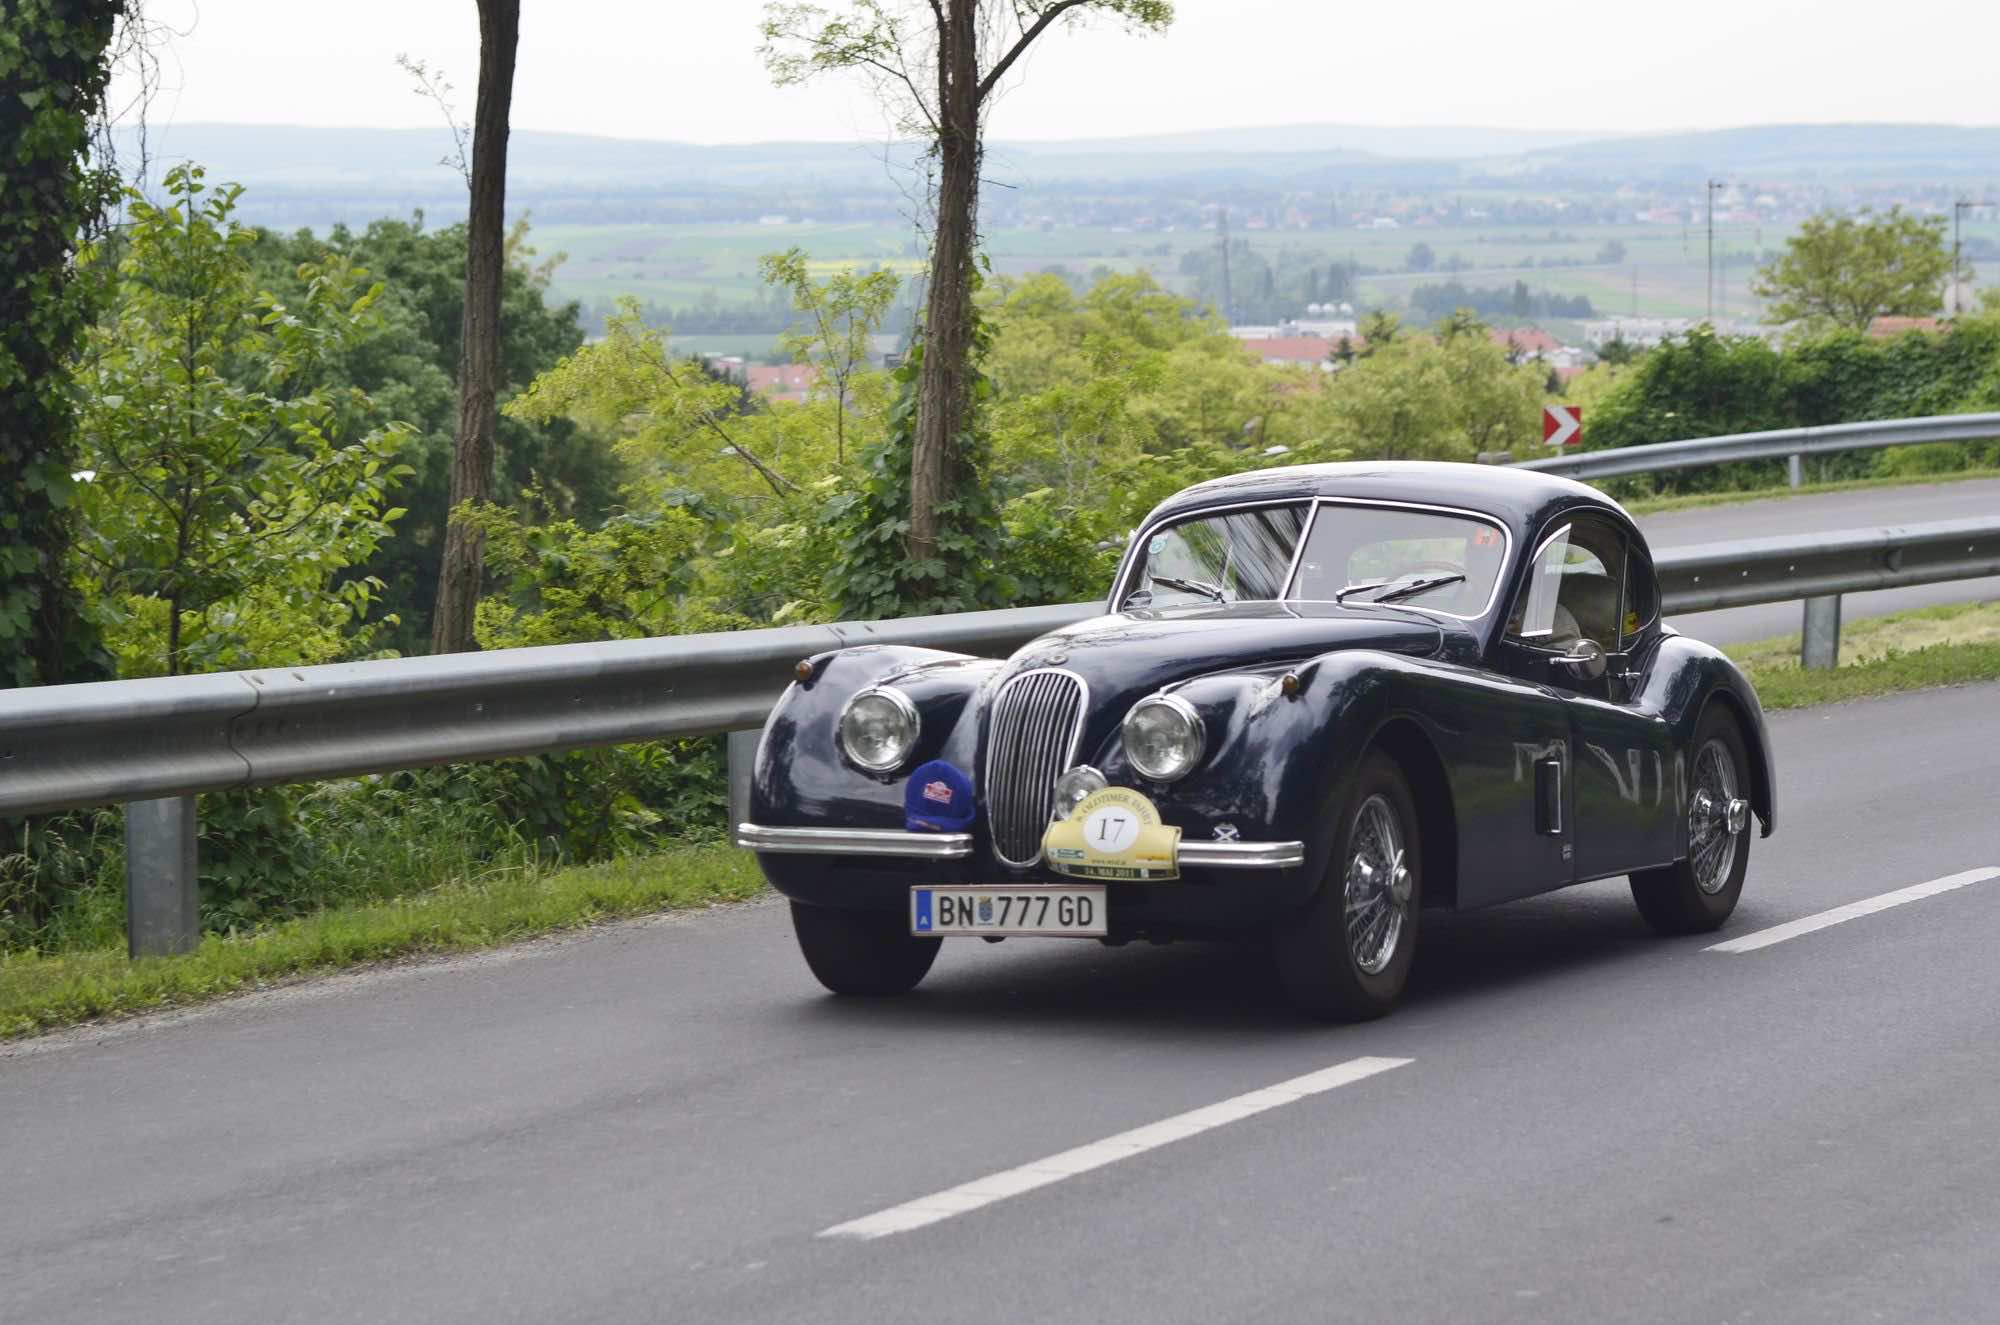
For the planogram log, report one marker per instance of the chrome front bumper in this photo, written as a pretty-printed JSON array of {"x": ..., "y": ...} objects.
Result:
[{"x": 957, "y": 846}]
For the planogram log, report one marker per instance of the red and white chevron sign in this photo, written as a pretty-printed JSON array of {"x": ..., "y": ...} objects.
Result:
[{"x": 1562, "y": 425}]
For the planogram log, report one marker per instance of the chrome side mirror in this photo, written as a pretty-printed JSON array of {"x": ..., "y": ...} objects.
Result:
[{"x": 1585, "y": 660}]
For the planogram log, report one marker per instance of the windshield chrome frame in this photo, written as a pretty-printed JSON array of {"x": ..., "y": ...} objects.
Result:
[{"x": 1121, "y": 589}]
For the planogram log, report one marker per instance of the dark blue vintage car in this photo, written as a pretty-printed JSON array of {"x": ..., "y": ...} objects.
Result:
[{"x": 1320, "y": 700}]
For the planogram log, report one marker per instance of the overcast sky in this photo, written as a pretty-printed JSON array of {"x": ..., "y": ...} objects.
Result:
[{"x": 688, "y": 69}]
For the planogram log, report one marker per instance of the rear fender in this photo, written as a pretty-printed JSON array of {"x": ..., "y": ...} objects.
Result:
[{"x": 1683, "y": 679}]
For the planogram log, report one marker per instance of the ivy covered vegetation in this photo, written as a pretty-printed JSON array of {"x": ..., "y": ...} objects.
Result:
[{"x": 261, "y": 428}]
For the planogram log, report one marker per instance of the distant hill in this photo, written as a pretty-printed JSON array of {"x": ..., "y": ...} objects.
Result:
[
  {"x": 315, "y": 176},
  {"x": 1883, "y": 152},
  {"x": 1411, "y": 142}
]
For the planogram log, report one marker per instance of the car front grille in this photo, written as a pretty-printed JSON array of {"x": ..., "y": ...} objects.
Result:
[{"x": 1031, "y": 737}]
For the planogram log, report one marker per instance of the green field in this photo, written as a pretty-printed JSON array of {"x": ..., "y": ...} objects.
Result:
[{"x": 1662, "y": 274}]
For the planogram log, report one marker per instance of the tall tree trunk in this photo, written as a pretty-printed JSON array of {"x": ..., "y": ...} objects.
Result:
[
  {"x": 941, "y": 385},
  {"x": 479, "y": 346}
]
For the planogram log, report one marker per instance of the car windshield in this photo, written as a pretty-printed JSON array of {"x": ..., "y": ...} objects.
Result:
[
  {"x": 1241, "y": 556},
  {"x": 1430, "y": 559},
  {"x": 1353, "y": 554}
]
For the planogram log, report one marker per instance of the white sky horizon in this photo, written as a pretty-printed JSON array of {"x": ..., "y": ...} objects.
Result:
[{"x": 691, "y": 73}]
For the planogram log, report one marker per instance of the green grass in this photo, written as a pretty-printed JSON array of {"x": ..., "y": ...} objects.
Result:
[
  {"x": 1696, "y": 500},
  {"x": 1955, "y": 644},
  {"x": 39, "y": 992}
]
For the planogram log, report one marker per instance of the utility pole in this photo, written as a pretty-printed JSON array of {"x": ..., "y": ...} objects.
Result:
[
  {"x": 1713, "y": 185},
  {"x": 1958, "y": 210}
]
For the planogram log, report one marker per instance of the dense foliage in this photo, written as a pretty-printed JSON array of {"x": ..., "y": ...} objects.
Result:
[
  {"x": 53, "y": 72},
  {"x": 1846, "y": 271},
  {"x": 1704, "y": 385},
  {"x": 229, "y": 490},
  {"x": 405, "y": 362}
]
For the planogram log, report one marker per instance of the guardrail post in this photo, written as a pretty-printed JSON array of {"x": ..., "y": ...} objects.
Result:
[
  {"x": 742, "y": 755},
  {"x": 162, "y": 897},
  {"x": 1795, "y": 469},
  {"x": 1820, "y": 648}
]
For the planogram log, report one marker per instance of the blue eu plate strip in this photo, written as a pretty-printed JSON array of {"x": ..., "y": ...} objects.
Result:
[{"x": 923, "y": 910}]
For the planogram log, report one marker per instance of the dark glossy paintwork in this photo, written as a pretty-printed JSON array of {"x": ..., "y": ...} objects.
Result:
[{"x": 1440, "y": 689}]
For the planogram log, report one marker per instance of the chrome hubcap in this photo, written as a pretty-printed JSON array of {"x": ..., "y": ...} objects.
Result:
[
  {"x": 1376, "y": 886},
  {"x": 1717, "y": 816}
]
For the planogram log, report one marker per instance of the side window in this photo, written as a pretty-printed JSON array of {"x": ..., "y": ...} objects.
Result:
[
  {"x": 1574, "y": 586},
  {"x": 1642, "y": 600}
]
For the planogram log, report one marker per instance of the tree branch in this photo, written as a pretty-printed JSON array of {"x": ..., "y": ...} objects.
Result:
[
  {"x": 999, "y": 71},
  {"x": 769, "y": 475}
]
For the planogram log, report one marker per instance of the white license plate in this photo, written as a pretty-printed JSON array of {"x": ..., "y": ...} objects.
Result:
[{"x": 989, "y": 912}]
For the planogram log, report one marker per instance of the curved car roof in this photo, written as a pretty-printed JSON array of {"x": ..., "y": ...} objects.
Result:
[{"x": 1521, "y": 497}]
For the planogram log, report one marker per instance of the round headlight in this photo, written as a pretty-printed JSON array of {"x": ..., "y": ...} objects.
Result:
[
  {"x": 1073, "y": 789},
  {"x": 1163, "y": 737},
  {"x": 878, "y": 729}
]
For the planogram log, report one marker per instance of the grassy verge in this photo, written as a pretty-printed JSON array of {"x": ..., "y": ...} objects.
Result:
[
  {"x": 1933, "y": 646},
  {"x": 39, "y": 991},
  {"x": 1695, "y": 500}
]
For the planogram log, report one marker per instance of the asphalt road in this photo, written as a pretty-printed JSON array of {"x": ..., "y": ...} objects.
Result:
[
  {"x": 1821, "y": 513},
  {"x": 657, "y": 1122}
]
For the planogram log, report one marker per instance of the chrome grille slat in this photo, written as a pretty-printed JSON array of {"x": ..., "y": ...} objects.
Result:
[{"x": 1032, "y": 732}]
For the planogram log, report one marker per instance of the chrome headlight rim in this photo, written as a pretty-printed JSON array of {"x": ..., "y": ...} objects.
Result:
[
  {"x": 1197, "y": 733},
  {"x": 1076, "y": 785},
  {"x": 904, "y": 707}
]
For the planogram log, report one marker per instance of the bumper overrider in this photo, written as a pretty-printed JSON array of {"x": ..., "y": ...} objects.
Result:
[{"x": 900, "y": 843}]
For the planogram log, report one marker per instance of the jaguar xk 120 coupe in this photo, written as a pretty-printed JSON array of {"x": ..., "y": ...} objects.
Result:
[{"x": 1320, "y": 700}]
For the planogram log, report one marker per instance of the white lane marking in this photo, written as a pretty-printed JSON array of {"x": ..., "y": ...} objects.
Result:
[
  {"x": 1868, "y": 906},
  {"x": 1012, "y": 1182}
]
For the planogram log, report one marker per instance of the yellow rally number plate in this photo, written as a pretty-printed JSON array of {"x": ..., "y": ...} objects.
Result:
[{"x": 1114, "y": 834}]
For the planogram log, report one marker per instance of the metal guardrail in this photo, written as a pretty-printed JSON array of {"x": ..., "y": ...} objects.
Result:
[
  {"x": 155, "y": 743},
  {"x": 1792, "y": 444}
]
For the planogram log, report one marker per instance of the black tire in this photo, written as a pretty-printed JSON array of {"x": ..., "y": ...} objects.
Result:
[
  {"x": 1318, "y": 965},
  {"x": 1672, "y": 899},
  {"x": 865, "y": 953}
]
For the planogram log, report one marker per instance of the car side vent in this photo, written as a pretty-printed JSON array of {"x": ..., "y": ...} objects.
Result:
[{"x": 1032, "y": 732}]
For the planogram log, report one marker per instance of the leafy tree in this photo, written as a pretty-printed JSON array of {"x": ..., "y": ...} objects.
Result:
[
  {"x": 53, "y": 71},
  {"x": 1414, "y": 398},
  {"x": 1845, "y": 271},
  {"x": 227, "y": 497},
  {"x": 1618, "y": 350},
  {"x": 844, "y": 311},
  {"x": 938, "y": 66},
  {"x": 1377, "y": 328},
  {"x": 1611, "y": 252},
  {"x": 478, "y": 373},
  {"x": 677, "y": 427},
  {"x": 406, "y": 359},
  {"x": 1420, "y": 257}
]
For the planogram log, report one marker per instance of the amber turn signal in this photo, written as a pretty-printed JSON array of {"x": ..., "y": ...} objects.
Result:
[
  {"x": 803, "y": 669},
  {"x": 1289, "y": 683}
]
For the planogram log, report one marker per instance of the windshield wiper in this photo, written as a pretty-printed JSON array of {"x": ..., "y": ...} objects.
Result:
[
  {"x": 1415, "y": 587},
  {"x": 1410, "y": 590},
  {"x": 1188, "y": 586}
]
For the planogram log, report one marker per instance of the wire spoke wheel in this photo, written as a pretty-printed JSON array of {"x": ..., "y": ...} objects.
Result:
[
  {"x": 1376, "y": 888},
  {"x": 1712, "y": 836}
]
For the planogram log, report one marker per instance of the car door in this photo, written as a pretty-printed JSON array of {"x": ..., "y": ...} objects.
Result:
[{"x": 1588, "y": 583}]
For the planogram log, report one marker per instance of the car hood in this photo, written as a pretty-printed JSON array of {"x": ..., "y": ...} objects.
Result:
[{"x": 1129, "y": 654}]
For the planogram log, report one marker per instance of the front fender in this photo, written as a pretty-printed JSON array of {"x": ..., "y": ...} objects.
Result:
[
  {"x": 800, "y": 777},
  {"x": 1274, "y": 761}
]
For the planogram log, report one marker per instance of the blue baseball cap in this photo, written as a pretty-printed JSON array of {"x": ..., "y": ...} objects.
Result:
[{"x": 938, "y": 799}]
